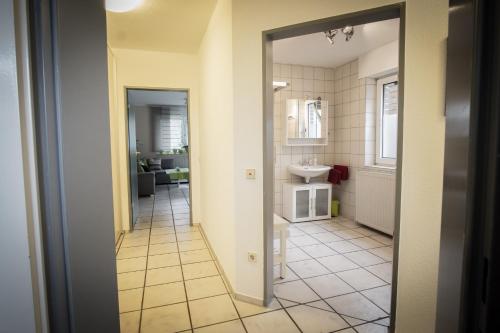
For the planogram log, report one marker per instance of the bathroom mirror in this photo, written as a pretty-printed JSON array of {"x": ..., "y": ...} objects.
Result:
[{"x": 306, "y": 121}]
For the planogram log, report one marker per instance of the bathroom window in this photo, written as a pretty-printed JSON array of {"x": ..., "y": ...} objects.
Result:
[{"x": 387, "y": 121}]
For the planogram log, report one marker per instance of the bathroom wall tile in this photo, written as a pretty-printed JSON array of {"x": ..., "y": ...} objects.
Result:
[
  {"x": 297, "y": 72},
  {"x": 285, "y": 71},
  {"x": 308, "y": 72},
  {"x": 319, "y": 73}
]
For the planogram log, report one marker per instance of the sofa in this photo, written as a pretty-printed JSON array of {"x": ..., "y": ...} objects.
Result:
[
  {"x": 161, "y": 172},
  {"x": 146, "y": 184}
]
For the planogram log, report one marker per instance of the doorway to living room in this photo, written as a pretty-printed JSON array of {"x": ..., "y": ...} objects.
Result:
[{"x": 159, "y": 163}]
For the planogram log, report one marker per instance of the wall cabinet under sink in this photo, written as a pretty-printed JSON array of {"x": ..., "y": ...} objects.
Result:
[{"x": 307, "y": 202}]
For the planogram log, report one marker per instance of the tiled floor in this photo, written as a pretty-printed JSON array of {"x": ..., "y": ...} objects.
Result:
[{"x": 338, "y": 278}]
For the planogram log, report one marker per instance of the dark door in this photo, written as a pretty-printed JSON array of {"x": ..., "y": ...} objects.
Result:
[
  {"x": 468, "y": 263},
  {"x": 132, "y": 150}
]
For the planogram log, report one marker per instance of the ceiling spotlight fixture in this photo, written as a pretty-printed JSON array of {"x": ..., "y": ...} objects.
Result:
[
  {"x": 121, "y": 6},
  {"x": 348, "y": 31},
  {"x": 330, "y": 35}
]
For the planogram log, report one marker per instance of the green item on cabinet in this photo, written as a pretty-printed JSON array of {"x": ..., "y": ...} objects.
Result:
[{"x": 335, "y": 208}]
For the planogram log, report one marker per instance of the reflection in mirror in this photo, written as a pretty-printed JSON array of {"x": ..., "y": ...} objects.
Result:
[{"x": 306, "y": 119}]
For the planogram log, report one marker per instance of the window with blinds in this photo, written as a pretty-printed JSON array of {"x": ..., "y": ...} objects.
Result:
[
  {"x": 387, "y": 120},
  {"x": 171, "y": 129}
]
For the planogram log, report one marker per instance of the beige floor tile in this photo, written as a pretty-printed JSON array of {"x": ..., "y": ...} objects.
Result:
[
  {"x": 329, "y": 285},
  {"x": 383, "y": 252},
  {"x": 163, "y": 260},
  {"x": 380, "y": 296},
  {"x": 347, "y": 330},
  {"x": 129, "y": 265},
  {"x": 129, "y": 242},
  {"x": 337, "y": 263},
  {"x": 274, "y": 321},
  {"x": 185, "y": 236},
  {"x": 157, "y": 239},
  {"x": 384, "y": 239},
  {"x": 343, "y": 246},
  {"x": 357, "y": 306},
  {"x": 348, "y": 234},
  {"x": 198, "y": 270},
  {"x": 130, "y": 280},
  {"x": 192, "y": 245},
  {"x": 132, "y": 252},
  {"x": 162, "y": 224},
  {"x": 295, "y": 291},
  {"x": 142, "y": 225},
  {"x": 364, "y": 258},
  {"x": 318, "y": 250},
  {"x": 366, "y": 243},
  {"x": 130, "y": 300},
  {"x": 246, "y": 309},
  {"x": 162, "y": 248},
  {"x": 296, "y": 254},
  {"x": 308, "y": 268},
  {"x": 313, "y": 320},
  {"x": 165, "y": 319},
  {"x": 234, "y": 326},
  {"x": 163, "y": 231},
  {"x": 361, "y": 279},
  {"x": 164, "y": 294},
  {"x": 163, "y": 275},
  {"x": 129, "y": 322},
  {"x": 186, "y": 228},
  {"x": 212, "y": 310},
  {"x": 303, "y": 240},
  {"x": 136, "y": 234},
  {"x": 383, "y": 271},
  {"x": 204, "y": 287},
  {"x": 371, "y": 328}
]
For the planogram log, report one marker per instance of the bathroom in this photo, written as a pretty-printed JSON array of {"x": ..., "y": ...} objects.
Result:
[{"x": 335, "y": 152}]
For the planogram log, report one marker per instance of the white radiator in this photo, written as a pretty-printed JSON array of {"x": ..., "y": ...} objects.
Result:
[{"x": 375, "y": 199}]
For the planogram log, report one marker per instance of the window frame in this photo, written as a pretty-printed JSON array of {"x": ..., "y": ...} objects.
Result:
[{"x": 379, "y": 160}]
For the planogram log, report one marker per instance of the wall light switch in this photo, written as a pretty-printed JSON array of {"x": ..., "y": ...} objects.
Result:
[{"x": 250, "y": 173}]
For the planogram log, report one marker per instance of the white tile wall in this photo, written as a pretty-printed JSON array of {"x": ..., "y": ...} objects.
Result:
[
  {"x": 351, "y": 128},
  {"x": 305, "y": 82}
]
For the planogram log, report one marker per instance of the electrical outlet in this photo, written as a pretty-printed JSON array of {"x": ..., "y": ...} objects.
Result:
[
  {"x": 252, "y": 256},
  {"x": 250, "y": 173}
]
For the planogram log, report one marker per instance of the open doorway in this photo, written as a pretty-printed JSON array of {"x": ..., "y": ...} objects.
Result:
[
  {"x": 158, "y": 146},
  {"x": 333, "y": 92}
]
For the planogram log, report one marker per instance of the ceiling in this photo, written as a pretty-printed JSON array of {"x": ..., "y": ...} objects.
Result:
[
  {"x": 315, "y": 50},
  {"x": 156, "y": 97},
  {"x": 161, "y": 25}
]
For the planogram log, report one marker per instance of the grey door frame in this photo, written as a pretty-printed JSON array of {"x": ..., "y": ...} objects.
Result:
[
  {"x": 68, "y": 41},
  {"x": 187, "y": 91},
  {"x": 335, "y": 22}
]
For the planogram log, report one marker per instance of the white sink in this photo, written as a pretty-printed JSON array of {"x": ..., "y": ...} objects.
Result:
[{"x": 307, "y": 171}]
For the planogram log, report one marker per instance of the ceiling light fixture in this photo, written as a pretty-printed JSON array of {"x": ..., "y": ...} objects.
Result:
[
  {"x": 330, "y": 35},
  {"x": 122, "y": 6},
  {"x": 348, "y": 31}
]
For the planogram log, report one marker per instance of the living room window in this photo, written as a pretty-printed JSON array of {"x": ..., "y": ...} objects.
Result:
[
  {"x": 387, "y": 121},
  {"x": 171, "y": 130}
]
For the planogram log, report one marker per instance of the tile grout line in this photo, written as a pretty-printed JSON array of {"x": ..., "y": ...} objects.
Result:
[
  {"x": 146, "y": 268},
  {"x": 180, "y": 261}
]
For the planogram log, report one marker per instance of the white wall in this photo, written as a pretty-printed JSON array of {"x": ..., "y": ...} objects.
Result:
[
  {"x": 423, "y": 108},
  {"x": 217, "y": 139},
  {"x": 160, "y": 70},
  {"x": 380, "y": 61}
]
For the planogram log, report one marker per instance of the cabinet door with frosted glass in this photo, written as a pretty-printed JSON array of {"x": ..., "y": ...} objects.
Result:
[
  {"x": 302, "y": 207},
  {"x": 322, "y": 201}
]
